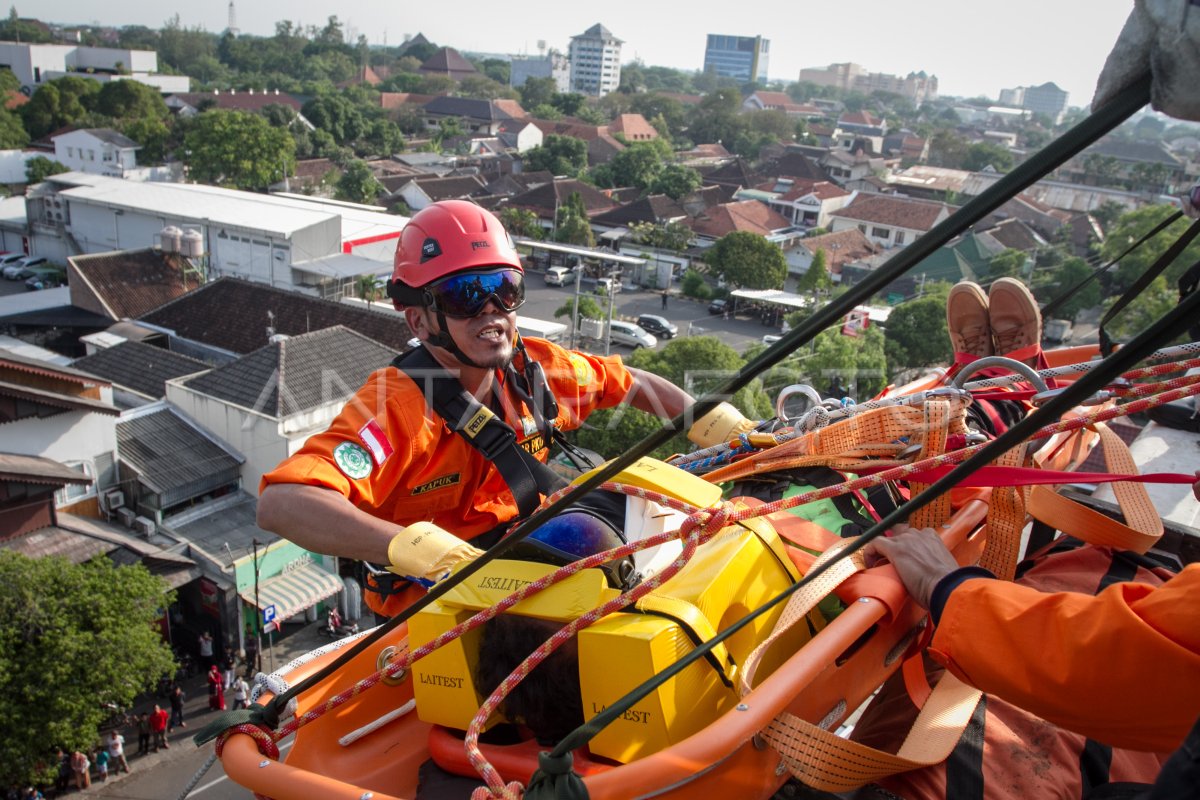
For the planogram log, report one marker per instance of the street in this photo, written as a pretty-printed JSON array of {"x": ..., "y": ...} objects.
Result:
[{"x": 690, "y": 315}]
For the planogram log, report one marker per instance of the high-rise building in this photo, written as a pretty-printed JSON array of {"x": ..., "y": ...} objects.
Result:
[
  {"x": 743, "y": 58},
  {"x": 1046, "y": 99},
  {"x": 595, "y": 61},
  {"x": 552, "y": 65}
]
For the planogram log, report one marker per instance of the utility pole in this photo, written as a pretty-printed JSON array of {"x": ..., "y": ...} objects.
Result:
[{"x": 575, "y": 311}]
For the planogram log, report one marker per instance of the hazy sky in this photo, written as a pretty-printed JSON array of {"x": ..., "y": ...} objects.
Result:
[{"x": 973, "y": 47}]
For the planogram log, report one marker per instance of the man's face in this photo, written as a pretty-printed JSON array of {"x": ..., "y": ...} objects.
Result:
[{"x": 486, "y": 338}]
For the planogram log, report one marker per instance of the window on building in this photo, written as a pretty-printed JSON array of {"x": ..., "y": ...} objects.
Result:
[
  {"x": 899, "y": 237},
  {"x": 862, "y": 228},
  {"x": 75, "y": 491},
  {"x": 881, "y": 233}
]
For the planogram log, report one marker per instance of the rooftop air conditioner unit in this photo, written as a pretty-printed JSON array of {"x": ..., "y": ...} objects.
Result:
[
  {"x": 126, "y": 516},
  {"x": 144, "y": 526},
  {"x": 114, "y": 499}
]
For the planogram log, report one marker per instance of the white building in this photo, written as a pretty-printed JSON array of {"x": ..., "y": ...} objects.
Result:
[
  {"x": 595, "y": 61},
  {"x": 34, "y": 64},
  {"x": 100, "y": 151},
  {"x": 266, "y": 238}
]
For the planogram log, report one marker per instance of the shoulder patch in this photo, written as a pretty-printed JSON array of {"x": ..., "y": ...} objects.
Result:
[
  {"x": 353, "y": 460},
  {"x": 584, "y": 374}
]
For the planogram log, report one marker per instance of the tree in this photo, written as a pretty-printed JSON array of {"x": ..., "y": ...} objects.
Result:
[
  {"x": 368, "y": 287},
  {"x": 697, "y": 364},
  {"x": 675, "y": 181},
  {"x": 1107, "y": 213},
  {"x": 916, "y": 334},
  {"x": 571, "y": 225},
  {"x": 12, "y": 133},
  {"x": 521, "y": 222},
  {"x": 637, "y": 165},
  {"x": 1154, "y": 303},
  {"x": 748, "y": 260},
  {"x": 559, "y": 155},
  {"x": 1007, "y": 263},
  {"x": 816, "y": 278},
  {"x": 1131, "y": 227},
  {"x": 1063, "y": 278},
  {"x": 130, "y": 100},
  {"x": 72, "y": 638},
  {"x": 56, "y": 103},
  {"x": 537, "y": 91},
  {"x": 588, "y": 309},
  {"x": 337, "y": 115},
  {"x": 855, "y": 363},
  {"x": 358, "y": 184},
  {"x": 238, "y": 150},
  {"x": 669, "y": 236},
  {"x": 986, "y": 154},
  {"x": 38, "y": 168}
]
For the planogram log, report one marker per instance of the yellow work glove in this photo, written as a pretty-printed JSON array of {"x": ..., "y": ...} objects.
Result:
[
  {"x": 719, "y": 425},
  {"x": 424, "y": 553}
]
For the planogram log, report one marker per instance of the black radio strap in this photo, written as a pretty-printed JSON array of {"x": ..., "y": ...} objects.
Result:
[{"x": 527, "y": 478}]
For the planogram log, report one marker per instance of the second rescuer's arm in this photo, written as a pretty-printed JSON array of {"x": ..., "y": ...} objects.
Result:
[{"x": 1116, "y": 667}]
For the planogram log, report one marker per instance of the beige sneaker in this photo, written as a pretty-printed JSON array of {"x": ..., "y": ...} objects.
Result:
[
  {"x": 967, "y": 320},
  {"x": 1015, "y": 319}
]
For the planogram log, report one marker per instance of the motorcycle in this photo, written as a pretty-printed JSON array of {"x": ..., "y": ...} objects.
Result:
[{"x": 335, "y": 628}]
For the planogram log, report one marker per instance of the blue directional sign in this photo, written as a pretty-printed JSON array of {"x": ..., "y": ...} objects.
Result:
[{"x": 268, "y": 615}]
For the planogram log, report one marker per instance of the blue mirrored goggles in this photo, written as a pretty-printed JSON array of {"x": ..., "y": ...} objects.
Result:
[
  {"x": 573, "y": 535},
  {"x": 464, "y": 294}
]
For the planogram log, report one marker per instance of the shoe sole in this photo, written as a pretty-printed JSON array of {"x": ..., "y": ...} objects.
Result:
[{"x": 972, "y": 291}]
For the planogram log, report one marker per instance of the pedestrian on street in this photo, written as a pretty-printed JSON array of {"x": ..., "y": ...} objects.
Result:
[
  {"x": 116, "y": 752},
  {"x": 177, "y": 697},
  {"x": 664, "y": 299},
  {"x": 102, "y": 764},
  {"x": 206, "y": 649},
  {"x": 81, "y": 770},
  {"x": 216, "y": 689},
  {"x": 251, "y": 652},
  {"x": 64, "y": 772},
  {"x": 241, "y": 693},
  {"x": 143, "y": 726},
  {"x": 228, "y": 665},
  {"x": 158, "y": 727}
]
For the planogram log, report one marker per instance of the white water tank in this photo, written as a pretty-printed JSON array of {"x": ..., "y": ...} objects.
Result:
[
  {"x": 192, "y": 244},
  {"x": 170, "y": 238}
]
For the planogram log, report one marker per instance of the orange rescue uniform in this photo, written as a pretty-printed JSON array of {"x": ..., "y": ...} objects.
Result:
[
  {"x": 392, "y": 457},
  {"x": 1060, "y": 655}
]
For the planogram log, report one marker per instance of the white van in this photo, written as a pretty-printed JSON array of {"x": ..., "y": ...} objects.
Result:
[{"x": 542, "y": 329}]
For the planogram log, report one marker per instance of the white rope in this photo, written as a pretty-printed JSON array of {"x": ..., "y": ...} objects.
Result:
[
  {"x": 371, "y": 727},
  {"x": 276, "y": 682}
]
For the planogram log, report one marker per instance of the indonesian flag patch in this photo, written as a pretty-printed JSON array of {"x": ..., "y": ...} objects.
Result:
[{"x": 372, "y": 436}]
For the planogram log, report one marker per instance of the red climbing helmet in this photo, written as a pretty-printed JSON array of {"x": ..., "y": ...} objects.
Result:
[{"x": 444, "y": 238}]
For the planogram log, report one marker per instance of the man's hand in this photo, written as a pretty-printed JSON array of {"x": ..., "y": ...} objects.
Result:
[{"x": 918, "y": 555}]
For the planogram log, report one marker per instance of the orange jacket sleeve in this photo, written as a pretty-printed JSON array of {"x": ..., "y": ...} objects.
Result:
[{"x": 1122, "y": 667}]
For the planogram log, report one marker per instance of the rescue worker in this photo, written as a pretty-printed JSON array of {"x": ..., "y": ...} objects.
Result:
[{"x": 389, "y": 482}]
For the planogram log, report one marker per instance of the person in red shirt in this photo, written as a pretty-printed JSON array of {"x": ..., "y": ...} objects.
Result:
[{"x": 158, "y": 727}]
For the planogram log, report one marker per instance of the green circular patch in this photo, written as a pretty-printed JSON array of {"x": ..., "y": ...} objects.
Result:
[{"x": 352, "y": 460}]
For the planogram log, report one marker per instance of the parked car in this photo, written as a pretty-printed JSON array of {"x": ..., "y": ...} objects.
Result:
[
  {"x": 10, "y": 266},
  {"x": 659, "y": 326},
  {"x": 630, "y": 335},
  {"x": 771, "y": 338},
  {"x": 557, "y": 276},
  {"x": 718, "y": 306}
]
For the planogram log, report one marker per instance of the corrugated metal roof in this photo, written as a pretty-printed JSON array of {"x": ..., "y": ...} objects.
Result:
[{"x": 168, "y": 453}]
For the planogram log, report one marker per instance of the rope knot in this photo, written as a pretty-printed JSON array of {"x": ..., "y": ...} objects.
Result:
[{"x": 708, "y": 520}]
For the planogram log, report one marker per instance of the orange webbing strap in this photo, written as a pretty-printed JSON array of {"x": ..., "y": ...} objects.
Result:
[
  {"x": 878, "y": 433},
  {"x": 1143, "y": 526},
  {"x": 826, "y": 761},
  {"x": 1005, "y": 521},
  {"x": 802, "y": 603},
  {"x": 937, "y": 428}
]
